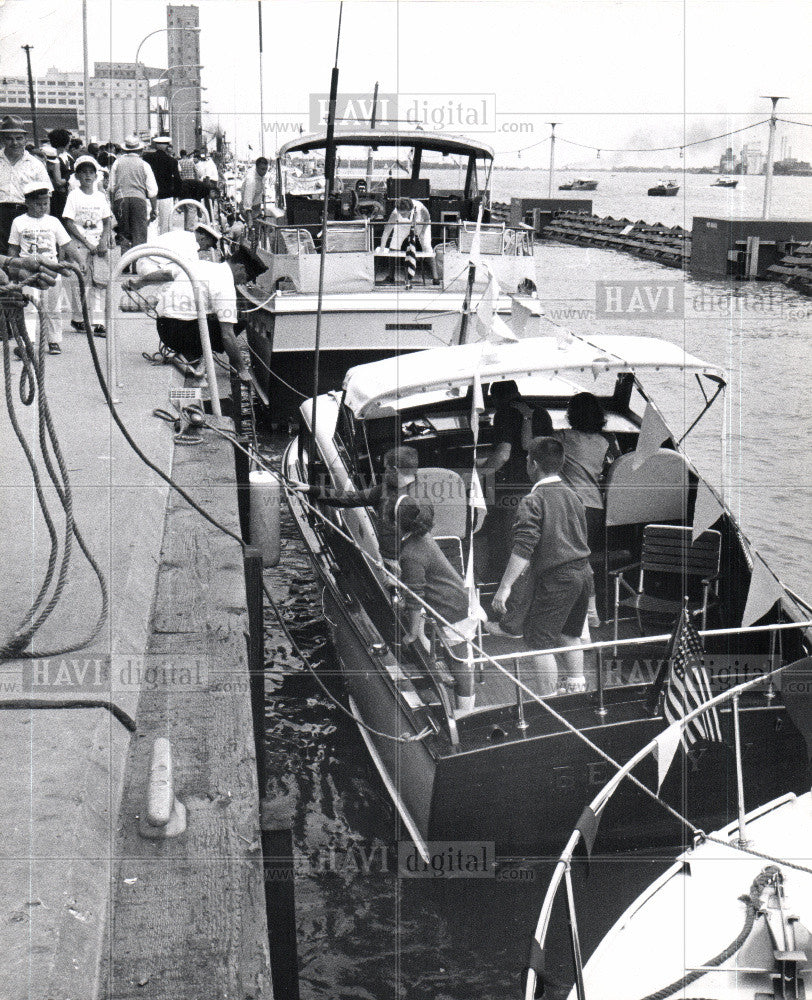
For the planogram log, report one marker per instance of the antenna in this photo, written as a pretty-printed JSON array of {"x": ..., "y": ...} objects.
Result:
[
  {"x": 329, "y": 173},
  {"x": 768, "y": 169}
]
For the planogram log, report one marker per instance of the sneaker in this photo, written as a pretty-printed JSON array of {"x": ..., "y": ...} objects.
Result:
[
  {"x": 54, "y": 349},
  {"x": 78, "y": 325},
  {"x": 99, "y": 330}
]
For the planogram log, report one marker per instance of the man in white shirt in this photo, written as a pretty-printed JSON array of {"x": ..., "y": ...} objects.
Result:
[
  {"x": 209, "y": 180},
  {"x": 177, "y": 322},
  {"x": 252, "y": 195},
  {"x": 17, "y": 168}
]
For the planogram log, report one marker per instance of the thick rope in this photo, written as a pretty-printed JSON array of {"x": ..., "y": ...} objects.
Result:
[
  {"x": 752, "y": 904},
  {"x": 30, "y": 624}
]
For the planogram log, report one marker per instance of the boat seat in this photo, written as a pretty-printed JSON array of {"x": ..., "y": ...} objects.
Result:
[
  {"x": 294, "y": 241},
  {"x": 491, "y": 237},
  {"x": 447, "y": 491},
  {"x": 671, "y": 567},
  {"x": 345, "y": 237},
  {"x": 657, "y": 491}
]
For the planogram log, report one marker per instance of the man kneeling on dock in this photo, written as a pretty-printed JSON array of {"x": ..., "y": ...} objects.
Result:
[
  {"x": 548, "y": 579},
  {"x": 177, "y": 322}
]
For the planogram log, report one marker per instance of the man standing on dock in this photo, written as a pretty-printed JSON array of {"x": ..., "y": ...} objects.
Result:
[
  {"x": 252, "y": 196},
  {"x": 17, "y": 168},
  {"x": 165, "y": 168},
  {"x": 133, "y": 193}
]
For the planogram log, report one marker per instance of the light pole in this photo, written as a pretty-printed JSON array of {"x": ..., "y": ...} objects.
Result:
[
  {"x": 171, "y": 99},
  {"x": 158, "y": 31},
  {"x": 552, "y": 158},
  {"x": 169, "y": 69}
]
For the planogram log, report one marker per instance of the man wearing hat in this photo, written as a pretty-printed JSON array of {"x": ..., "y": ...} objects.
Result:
[
  {"x": 134, "y": 194},
  {"x": 165, "y": 168},
  {"x": 17, "y": 168},
  {"x": 177, "y": 323}
]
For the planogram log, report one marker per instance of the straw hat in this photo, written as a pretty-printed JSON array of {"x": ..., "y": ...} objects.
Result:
[
  {"x": 12, "y": 125},
  {"x": 132, "y": 144}
]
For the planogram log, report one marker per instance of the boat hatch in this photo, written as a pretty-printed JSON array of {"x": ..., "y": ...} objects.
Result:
[{"x": 375, "y": 389}]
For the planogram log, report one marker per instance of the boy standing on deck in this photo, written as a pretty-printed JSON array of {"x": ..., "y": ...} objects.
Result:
[
  {"x": 87, "y": 219},
  {"x": 39, "y": 233},
  {"x": 551, "y": 555}
]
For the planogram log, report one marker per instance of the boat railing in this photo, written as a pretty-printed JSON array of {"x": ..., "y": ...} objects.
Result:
[
  {"x": 587, "y": 826},
  {"x": 495, "y": 239},
  {"x": 113, "y": 361}
]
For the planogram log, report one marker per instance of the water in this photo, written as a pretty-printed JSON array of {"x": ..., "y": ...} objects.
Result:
[{"x": 366, "y": 935}]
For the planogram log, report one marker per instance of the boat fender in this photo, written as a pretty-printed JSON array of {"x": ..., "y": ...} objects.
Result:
[
  {"x": 265, "y": 489},
  {"x": 163, "y": 815}
]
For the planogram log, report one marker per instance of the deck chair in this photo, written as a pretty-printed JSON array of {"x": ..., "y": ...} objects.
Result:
[{"x": 670, "y": 567}]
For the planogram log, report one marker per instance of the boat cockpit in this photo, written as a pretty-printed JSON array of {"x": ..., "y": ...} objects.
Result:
[{"x": 387, "y": 185}]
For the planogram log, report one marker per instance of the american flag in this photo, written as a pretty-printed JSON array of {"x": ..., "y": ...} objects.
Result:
[
  {"x": 411, "y": 254},
  {"x": 687, "y": 685}
]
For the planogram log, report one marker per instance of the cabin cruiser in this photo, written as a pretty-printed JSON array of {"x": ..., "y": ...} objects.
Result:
[
  {"x": 730, "y": 919},
  {"x": 510, "y": 771},
  {"x": 581, "y": 184},
  {"x": 370, "y": 309},
  {"x": 725, "y": 182},
  {"x": 665, "y": 189}
]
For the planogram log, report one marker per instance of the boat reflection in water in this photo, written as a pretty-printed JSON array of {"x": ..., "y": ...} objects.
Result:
[{"x": 517, "y": 770}]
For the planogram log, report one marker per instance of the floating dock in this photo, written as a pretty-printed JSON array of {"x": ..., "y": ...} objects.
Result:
[{"x": 91, "y": 908}]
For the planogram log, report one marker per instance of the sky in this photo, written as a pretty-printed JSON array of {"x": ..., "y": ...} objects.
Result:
[{"x": 621, "y": 74}]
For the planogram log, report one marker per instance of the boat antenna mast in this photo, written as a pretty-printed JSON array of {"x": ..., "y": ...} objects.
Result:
[
  {"x": 329, "y": 174},
  {"x": 372, "y": 123}
]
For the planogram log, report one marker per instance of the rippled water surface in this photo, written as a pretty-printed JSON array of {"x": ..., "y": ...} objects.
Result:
[{"x": 366, "y": 935}]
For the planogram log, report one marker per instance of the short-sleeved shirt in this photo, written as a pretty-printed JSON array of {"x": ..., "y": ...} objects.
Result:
[
  {"x": 88, "y": 212},
  {"x": 217, "y": 285},
  {"x": 14, "y": 177},
  {"x": 38, "y": 236}
]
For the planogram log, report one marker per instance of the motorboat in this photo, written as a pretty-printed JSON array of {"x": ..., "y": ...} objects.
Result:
[
  {"x": 730, "y": 919},
  {"x": 725, "y": 182},
  {"x": 582, "y": 184},
  {"x": 665, "y": 189},
  {"x": 518, "y": 769},
  {"x": 369, "y": 310}
]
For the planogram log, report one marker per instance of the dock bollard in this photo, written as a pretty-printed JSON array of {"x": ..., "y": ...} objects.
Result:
[
  {"x": 164, "y": 815},
  {"x": 265, "y": 489}
]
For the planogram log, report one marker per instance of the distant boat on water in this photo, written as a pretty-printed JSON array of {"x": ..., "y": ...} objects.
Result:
[
  {"x": 581, "y": 184},
  {"x": 666, "y": 189},
  {"x": 724, "y": 182}
]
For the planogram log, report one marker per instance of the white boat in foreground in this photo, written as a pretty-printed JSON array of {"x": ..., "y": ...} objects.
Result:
[{"x": 729, "y": 919}]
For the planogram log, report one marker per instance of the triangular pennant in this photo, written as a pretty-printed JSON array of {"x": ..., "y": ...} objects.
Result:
[
  {"x": 486, "y": 308},
  {"x": 477, "y": 406},
  {"x": 520, "y": 316},
  {"x": 501, "y": 332},
  {"x": 707, "y": 510},
  {"x": 652, "y": 434},
  {"x": 764, "y": 591},
  {"x": 664, "y": 749}
]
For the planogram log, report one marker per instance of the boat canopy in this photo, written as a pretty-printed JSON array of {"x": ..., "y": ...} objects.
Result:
[
  {"x": 439, "y": 142},
  {"x": 374, "y": 389}
]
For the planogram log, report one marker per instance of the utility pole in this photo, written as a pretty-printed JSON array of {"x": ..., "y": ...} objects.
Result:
[
  {"x": 768, "y": 170},
  {"x": 552, "y": 157},
  {"x": 31, "y": 94},
  {"x": 86, "y": 76}
]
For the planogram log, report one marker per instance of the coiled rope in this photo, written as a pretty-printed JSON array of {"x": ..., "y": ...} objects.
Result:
[{"x": 32, "y": 383}]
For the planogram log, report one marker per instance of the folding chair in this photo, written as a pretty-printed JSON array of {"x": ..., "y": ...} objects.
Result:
[{"x": 670, "y": 567}]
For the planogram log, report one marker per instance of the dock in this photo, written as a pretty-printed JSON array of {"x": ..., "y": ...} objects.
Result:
[{"x": 91, "y": 908}]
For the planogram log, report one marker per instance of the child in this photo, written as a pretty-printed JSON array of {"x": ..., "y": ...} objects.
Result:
[
  {"x": 87, "y": 218},
  {"x": 400, "y": 472},
  {"x": 36, "y": 232},
  {"x": 426, "y": 571}
]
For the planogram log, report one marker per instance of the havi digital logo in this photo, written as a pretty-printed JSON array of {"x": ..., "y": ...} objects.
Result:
[{"x": 631, "y": 299}]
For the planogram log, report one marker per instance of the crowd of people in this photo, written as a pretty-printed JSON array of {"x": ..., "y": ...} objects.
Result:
[{"x": 64, "y": 201}]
